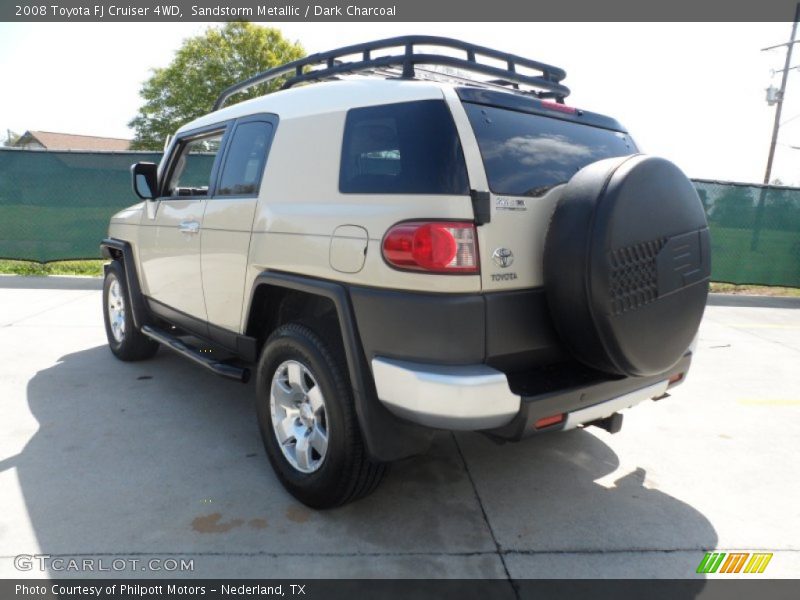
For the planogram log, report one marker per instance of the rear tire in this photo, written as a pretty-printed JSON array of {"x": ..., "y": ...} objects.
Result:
[
  {"x": 125, "y": 341},
  {"x": 307, "y": 420}
]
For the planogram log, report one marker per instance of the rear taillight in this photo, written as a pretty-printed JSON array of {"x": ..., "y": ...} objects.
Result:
[{"x": 432, "y": 246}]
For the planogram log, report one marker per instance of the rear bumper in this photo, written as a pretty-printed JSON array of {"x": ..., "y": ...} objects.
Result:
[
  {"x": 480, "y": 398},
  {"x": 463, "y": 398},
  {"x": 609, "y": 407}
]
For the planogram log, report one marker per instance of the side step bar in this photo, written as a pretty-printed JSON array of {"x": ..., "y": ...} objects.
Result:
[{"x": 173, "y": 343}]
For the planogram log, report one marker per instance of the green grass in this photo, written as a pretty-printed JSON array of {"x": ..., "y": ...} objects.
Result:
[
  {"x": 95, "y": 268},
  {"x": 66, "y": 267},
  {"x": 754, "y": 290}
]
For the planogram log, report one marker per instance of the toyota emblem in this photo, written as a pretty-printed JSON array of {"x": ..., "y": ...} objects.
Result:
[{"x": 503, "y": 257}]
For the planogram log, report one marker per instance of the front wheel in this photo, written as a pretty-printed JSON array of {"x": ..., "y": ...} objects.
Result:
[
  {"x": 307, "y": 420},
  {"x": 126, "y": 342}
]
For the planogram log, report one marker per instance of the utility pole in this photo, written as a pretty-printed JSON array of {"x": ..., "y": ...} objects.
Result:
[
  {"x": 775, "y": 127},
  {"x": 779, "y": 104}
]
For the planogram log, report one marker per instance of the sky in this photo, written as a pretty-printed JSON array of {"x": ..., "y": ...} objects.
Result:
[{"x": 691, "y": 92}]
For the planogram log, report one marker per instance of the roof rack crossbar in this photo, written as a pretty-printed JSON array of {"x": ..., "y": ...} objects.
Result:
[{"x": 329, "y": 65}]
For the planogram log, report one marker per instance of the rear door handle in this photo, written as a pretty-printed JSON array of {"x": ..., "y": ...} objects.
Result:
[{"x": 189, "y": 227}]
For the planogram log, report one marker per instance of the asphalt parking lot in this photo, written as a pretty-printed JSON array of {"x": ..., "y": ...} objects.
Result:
[{"x": 106, "y": 460}]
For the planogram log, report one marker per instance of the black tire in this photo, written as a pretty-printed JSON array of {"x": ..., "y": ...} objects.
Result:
[
  {"x": 345, "y": 473},
  {"x": 132, "y": 345},
  {"x": 627, "y": 265}
]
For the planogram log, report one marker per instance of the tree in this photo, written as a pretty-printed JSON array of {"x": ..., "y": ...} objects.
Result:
[
  {"x": 203, "y": 66},
  {"x": 11, "y": 138}
]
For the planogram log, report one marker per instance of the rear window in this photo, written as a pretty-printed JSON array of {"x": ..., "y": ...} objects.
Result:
[
  {"x": 244, "y": 163},
  {"x": 526, "y": 154},
  {"x": 403, "y": 148}
]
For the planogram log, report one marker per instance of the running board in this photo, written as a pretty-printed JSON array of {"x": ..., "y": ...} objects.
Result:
[{"x": 173, "y": 343}]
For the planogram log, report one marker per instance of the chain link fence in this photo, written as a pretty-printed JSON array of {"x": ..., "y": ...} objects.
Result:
[
  {"x": 755, "y": 232},
  {"x": 56, "y": 206}
]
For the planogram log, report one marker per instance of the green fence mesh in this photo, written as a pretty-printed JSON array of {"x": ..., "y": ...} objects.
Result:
[
  {"x": 755, "y": 232},
  {"x": 56, "y": 206}
]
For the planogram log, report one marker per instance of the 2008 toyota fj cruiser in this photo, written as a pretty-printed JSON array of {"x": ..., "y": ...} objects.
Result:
[{"x": 420, "y": 239}]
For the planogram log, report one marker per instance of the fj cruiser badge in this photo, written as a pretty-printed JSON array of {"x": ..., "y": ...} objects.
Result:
[
  {"x": 510, "y": 203},
  {"x": 503, "y": 257}
]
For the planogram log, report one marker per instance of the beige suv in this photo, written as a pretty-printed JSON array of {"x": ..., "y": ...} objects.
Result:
[{"x": 421, "y": 236}]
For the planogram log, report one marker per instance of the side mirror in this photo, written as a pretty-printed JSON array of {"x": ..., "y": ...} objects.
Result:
[{"x": 145, "y": 180}]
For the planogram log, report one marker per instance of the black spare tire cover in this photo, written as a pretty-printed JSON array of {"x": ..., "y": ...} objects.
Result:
[{"x": 627, "y": 264}]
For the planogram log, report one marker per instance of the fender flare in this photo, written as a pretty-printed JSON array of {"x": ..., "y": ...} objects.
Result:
[
  {"x": 139, "y": 311},
  {"x": 386, "y": 437}
]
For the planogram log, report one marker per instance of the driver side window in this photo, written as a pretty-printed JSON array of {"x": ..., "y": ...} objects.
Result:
[{"x": 192, "y": 170}]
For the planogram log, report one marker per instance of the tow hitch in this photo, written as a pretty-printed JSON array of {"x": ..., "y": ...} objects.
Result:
[{"x": 612, "y": 423}]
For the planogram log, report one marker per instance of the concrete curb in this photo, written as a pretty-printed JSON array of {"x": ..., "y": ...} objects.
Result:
[
  {"x": 50, "y": 282},
  {"x": 743, "y": 300}
]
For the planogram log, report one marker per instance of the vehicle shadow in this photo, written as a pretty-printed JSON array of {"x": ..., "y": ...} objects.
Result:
[
  {"x": 561, "y": 507},
  {"x": 162, "y": 459}
]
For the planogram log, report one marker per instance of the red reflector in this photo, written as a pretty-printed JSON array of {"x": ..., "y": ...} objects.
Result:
[
  {"x": 547, "y": 421},
  {"x": 675, "y": 378},
  {"x": 559, "y": 107},
  {"x": 435, "y": 246}
]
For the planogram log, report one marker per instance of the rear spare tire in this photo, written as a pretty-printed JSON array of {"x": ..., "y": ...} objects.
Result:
[{"x": 627, "y": 265}]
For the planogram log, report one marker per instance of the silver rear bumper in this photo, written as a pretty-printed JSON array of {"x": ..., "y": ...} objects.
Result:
[
  {"x": 461, "y": 398},
  {"x": 605, "y": 409},
  {"x": 474, "y": 397}
]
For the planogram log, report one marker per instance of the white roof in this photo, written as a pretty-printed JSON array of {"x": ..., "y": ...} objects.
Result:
[{"x": 329, "y": 96}]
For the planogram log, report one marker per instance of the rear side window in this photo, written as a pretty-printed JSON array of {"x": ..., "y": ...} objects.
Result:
[
  {"x": 245, "y": 158},
  {"x": 404, "y": 148},
  {"x": 526, "y": 154}
]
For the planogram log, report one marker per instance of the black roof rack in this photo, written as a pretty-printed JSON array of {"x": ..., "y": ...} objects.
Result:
[{"x": 330, "y": 64}]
